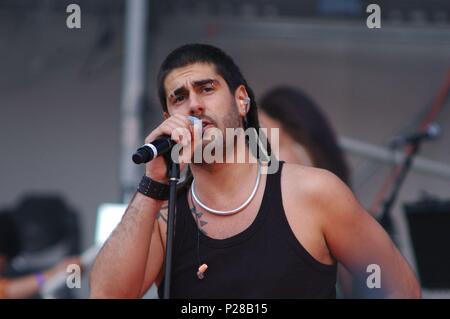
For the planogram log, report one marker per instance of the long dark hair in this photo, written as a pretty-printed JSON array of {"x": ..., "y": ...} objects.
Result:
[
  {"x": 307, "y": 125},
  {"x": 224, "y": 65}
]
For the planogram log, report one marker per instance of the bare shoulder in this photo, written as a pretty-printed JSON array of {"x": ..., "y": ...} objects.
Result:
[
  {"x": 312, "y": 181},
  {"x": 352, "y": 236},
  {"x": 308, "y": 194},
  {"x": 320, "y": 189}
]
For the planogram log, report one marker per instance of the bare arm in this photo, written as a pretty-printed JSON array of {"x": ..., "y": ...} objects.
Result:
[
  {"x": 28, "y": 286},
  {"x": 132, "y": 257},
  {"x": 356, "y": 240},
  {"x": 21, "y": 288},
  {"x": 154, "y": 269},
  {"x": 120, "y": 267}
]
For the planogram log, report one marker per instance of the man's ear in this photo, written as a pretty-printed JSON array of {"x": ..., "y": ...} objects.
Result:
[
  {"x": 166, "y": 115},
  {"x": 242, "y": 100}
]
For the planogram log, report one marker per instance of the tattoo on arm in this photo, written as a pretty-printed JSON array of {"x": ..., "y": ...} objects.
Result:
[
  {"x": 163, "y": 213},
  {"x": 197, "y": 215}
]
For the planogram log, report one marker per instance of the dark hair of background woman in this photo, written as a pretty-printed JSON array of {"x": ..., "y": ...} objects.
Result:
[{"x": 303, "y": 120}]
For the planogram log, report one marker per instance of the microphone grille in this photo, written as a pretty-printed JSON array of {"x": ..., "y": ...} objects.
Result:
[{"x": 193, "y": 119}]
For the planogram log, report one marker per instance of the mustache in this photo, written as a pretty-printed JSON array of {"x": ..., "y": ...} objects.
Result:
[{"x": 206, "y": 118}]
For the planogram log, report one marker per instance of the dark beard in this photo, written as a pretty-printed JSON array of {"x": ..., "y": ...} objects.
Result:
[{"x": 231, "y": 120}]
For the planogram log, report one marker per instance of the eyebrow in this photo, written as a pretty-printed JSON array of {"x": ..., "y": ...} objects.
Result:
[
  {"x": 203, "y": 82},
  {"x": 183, "y": 89},
  {"x": 178, "y": 91}
]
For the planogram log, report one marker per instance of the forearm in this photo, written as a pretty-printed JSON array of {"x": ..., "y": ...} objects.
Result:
[
  {"x": 28, "y": 286},
  {"x": 407, "y": 286},
  {"x": 22, "y": 288},
  {"x": 119, "y": 268}
]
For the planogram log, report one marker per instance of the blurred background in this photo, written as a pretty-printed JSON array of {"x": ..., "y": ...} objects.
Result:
[{"x": 75, "y": 103}]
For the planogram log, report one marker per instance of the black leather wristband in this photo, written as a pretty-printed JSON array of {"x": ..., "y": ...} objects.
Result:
[{"x": 153, "y": 189}]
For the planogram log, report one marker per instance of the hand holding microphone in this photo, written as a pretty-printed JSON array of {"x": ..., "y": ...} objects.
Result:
[
  {"x": 149, "y": 151},
  {"x": 160, "y": 141}
]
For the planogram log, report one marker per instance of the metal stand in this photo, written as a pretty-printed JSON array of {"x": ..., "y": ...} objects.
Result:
[
  {"x": 385, "y": 217},
  {"x": 174, "y": 176}
]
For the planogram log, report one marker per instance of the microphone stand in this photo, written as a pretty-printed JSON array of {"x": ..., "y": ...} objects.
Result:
[
  {"x": 385, "y": 218},
  {"x": 174, "y": 175}
]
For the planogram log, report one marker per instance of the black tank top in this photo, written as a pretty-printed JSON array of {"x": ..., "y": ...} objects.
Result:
[{"x": 264, "y": 261}]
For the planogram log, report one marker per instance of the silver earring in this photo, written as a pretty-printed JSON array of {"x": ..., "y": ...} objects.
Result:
[{"x": 246, "y": 102}]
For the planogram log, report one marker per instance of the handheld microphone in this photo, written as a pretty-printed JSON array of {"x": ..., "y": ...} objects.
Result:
[
  {"x": 160, "y": 146},
  {"x": 149, "y": 151},
  {"x": 432, "y": 132}
]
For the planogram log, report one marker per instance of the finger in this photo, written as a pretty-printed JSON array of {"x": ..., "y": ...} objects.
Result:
[
  {"x": 181, "y": 135},
  {"x": 181, "y": 125},
  {"x": 185, "y": 155},
  {"x": 183, "y": 118},
  {"x": 167, "y": 127},
  {"x": 180, "y": 122}
]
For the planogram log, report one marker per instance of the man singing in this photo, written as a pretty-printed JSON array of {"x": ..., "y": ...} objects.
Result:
[{"x": 240, "y": 232}]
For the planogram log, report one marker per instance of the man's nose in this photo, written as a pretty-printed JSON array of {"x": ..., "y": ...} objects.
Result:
[{"x": 195, "y": 105}]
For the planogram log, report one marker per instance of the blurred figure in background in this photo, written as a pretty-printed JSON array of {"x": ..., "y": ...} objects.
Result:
[
  {"x": 26, "y": 286},
  {"x": 306, "y": 138}
]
